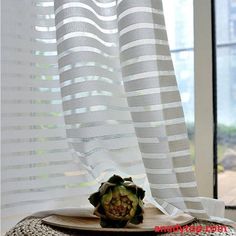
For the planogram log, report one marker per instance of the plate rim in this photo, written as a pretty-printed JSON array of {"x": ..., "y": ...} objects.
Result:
[{"x": 82, "y": 228}]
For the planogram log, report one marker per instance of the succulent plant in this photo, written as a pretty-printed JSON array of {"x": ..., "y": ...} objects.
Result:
[{"x": 118, "y": 202}]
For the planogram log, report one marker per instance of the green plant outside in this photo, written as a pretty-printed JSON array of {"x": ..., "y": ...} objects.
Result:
[{"x": 226, "y": 138}]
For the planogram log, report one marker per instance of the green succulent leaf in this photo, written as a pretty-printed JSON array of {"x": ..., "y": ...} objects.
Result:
[
  {"x": 140, "y": 193},
  {"x": 94, "y": 198},
  {"x": 106, "y": 198},
  {"x": 107, "y": 223},
  {"x": 116, "y": 179},
  {"x": 137, "y": 219},
  {"x": 128, "y": 179},
  {"x": 105, "y": 187},
  {"x": 139, "y": 210}
]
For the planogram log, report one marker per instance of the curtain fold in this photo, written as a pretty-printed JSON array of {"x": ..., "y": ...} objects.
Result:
[
  {"x": 89, "y": 90},
  {"x": 148, "y": 75},
  {"x": 121, "y": 98}
]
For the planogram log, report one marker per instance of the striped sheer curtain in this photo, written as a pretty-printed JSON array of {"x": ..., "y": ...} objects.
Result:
[{"x": 89, "y": 90}]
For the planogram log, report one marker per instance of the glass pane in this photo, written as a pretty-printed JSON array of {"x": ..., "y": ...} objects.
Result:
[
  {"x": 183, "y": 63},
  {"x": 226, "y": 99},
  {"x": 179, "y": 23}
]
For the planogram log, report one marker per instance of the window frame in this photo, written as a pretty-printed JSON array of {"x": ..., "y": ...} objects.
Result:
[{"x": 205, "y": 88}]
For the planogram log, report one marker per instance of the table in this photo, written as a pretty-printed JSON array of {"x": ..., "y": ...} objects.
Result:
[{"x": 35, "y": 227}]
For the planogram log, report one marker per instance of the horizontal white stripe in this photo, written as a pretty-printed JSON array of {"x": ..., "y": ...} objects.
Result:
[
  {"x": 142, "y": 42},
  {"x": 149, "y": 74},
  {"x": 178, "y": 185},
  {"x": 29, "y": 108},
  {"x": 93, "y": 116},
  {"x": 46, "y": 195},
  {"x": 40, "y": 184},
  {"x": 85, "y": 6},
  {"x": 85, "y": 20},
  {"x": 24, "y": 209},
  {"x": 170, "y": 171},
  {"x": 44, "y": 3},
  {"x": 88, "y": 64},
  {"x": 37, "y": 158},
  {"x": 90, "y": 86},
  {"x": 145, "y": 58},
  {"x": 93, "y": 93},
  {"x": 155, "y": 107},
  {"x": 149, "y": 91},
  {"x": 141, "y": 26},
  {"x": 35, "y": 146},
  {"x": 82, "y": 79},
  {"x": 136, "y": 10},
  {"x": 157, "y": 140},
  {"x": 86, "y": 49},
  {"x": 156, "y": 124},
  {"x": 113, "y": 102},
  {"x": 99, "y": 4},
  {"x": 27, "y": 121},
  {"x": 85, "y": 34},
  {"x": 12, "y": 81},
  {"x": 165, "y": 155},
  {"x": 45, "y": 28}
]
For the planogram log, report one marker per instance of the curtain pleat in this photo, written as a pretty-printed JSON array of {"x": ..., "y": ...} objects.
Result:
[
  {"x": 117, "y": 76},
  {"x": 149, "y": 75},
  {"x": 89, "y": 90}
]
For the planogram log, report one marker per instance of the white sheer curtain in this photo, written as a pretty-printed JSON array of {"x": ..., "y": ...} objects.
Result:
[{"x": 115, "y": 109}]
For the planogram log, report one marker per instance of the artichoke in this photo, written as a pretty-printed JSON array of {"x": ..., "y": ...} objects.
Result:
[{"x": 118, "y": 202}]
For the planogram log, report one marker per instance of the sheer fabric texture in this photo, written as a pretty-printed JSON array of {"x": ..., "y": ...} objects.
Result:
[{"x": 89, "y": 90}]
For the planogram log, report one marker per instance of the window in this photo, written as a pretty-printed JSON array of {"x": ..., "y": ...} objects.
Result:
[
  {"x": 179, "y": 22},
  {"x": 226, "y": 99}
]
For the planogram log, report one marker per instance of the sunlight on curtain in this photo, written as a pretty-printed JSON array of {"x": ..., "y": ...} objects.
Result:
[
  {"x": 120, "y": 96},
  {"x": 115, "y": 109},
  {"x": 38, "y": 170}
]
